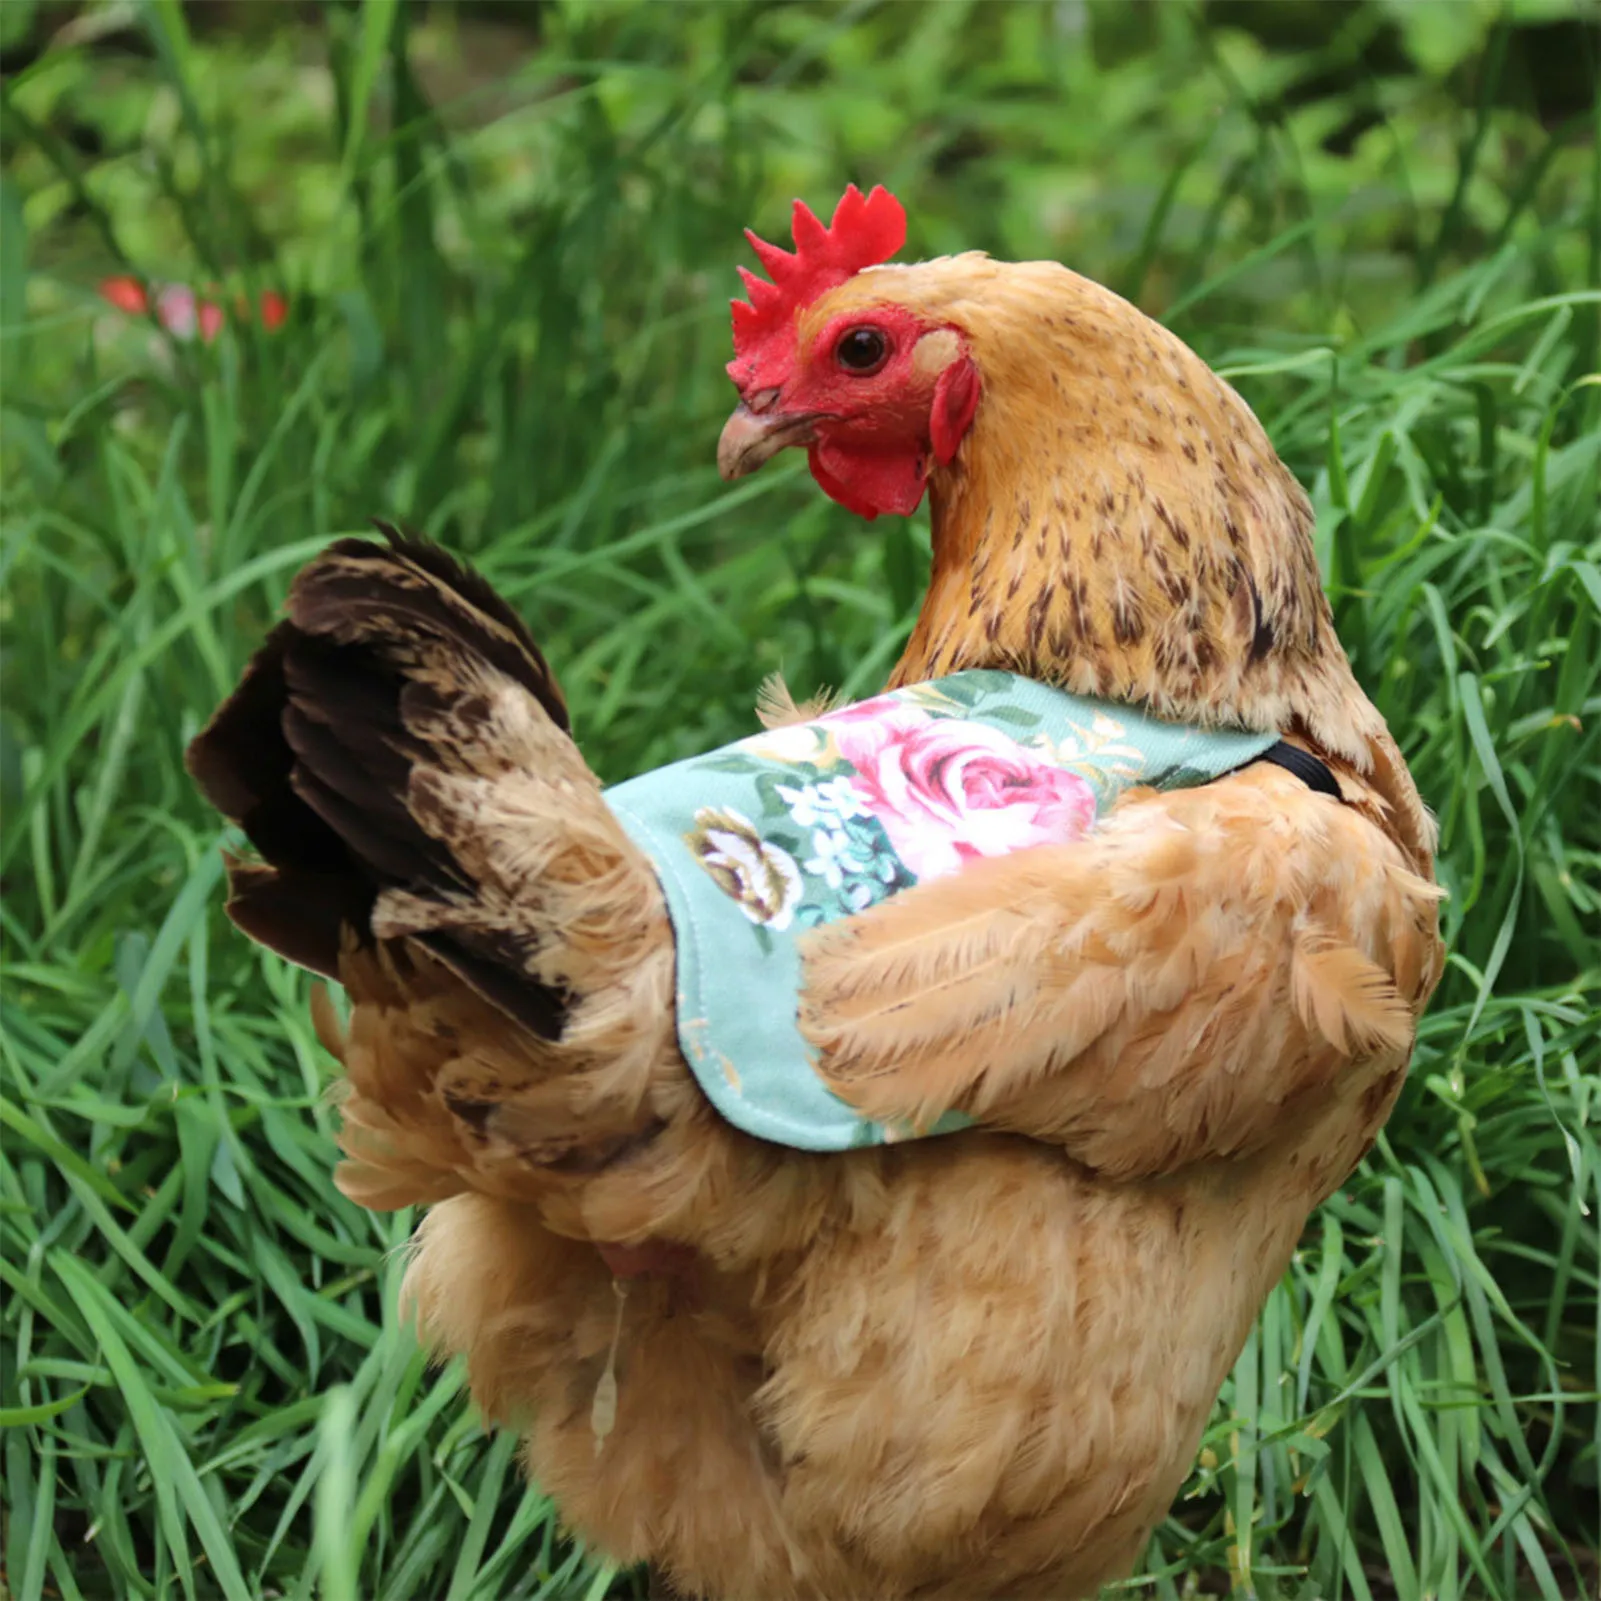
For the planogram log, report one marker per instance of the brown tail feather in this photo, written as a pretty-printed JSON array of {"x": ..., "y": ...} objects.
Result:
[{"x": 313, "y": 756}]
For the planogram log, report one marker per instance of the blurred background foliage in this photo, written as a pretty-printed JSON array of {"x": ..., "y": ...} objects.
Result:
[{"x": 505, "y": 236}]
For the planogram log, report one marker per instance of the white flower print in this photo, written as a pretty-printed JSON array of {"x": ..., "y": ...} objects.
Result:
[{"x": 822, "y": 805}]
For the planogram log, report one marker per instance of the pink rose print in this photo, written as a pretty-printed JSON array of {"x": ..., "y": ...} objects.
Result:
[
  {"x": 948, "y": 790},
  {"x": 879, "y": 708}
]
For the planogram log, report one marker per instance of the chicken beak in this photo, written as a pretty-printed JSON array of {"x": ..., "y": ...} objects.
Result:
[{"x": 750, "y": 439}]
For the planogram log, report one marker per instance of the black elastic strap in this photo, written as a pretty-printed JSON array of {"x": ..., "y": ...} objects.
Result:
[{"x": 1304, "y": 765}]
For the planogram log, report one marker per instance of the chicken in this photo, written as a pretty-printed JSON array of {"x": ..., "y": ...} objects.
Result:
[{"x": 977, "y": 1364}]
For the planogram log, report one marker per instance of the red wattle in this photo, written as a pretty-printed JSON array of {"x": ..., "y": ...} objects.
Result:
[{"x": 868, "y": 482}]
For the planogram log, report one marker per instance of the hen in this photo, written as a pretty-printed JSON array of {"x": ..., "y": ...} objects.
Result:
[{"x": 972, "y": 1364}]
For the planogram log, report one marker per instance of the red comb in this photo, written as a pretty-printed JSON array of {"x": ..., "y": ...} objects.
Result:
[{"x": 866, "y": 230}]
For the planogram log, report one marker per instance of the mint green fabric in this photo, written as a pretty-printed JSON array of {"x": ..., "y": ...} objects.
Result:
[{"x": 758, "y": 842}]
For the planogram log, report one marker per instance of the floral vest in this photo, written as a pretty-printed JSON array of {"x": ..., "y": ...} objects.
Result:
[{"x": 764, "y": 839}]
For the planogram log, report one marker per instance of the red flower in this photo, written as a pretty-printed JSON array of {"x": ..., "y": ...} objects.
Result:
[{"x": 126, "y": 294}]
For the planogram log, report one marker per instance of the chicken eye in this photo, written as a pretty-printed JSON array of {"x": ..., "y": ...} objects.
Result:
[{"x": 861, "y": 351}]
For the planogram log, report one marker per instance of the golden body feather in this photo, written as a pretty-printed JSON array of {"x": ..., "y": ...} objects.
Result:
[{"x": 976, "y": 1365}]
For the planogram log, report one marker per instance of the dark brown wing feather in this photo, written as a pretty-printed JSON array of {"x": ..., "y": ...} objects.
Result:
[{"x": 313, "y": 755}]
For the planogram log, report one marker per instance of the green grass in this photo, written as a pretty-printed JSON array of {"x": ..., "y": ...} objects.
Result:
[{"x": 508, "y": 256}]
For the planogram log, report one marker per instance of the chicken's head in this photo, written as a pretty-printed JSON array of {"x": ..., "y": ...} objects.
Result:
[{"x": 876, "y": 392}]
